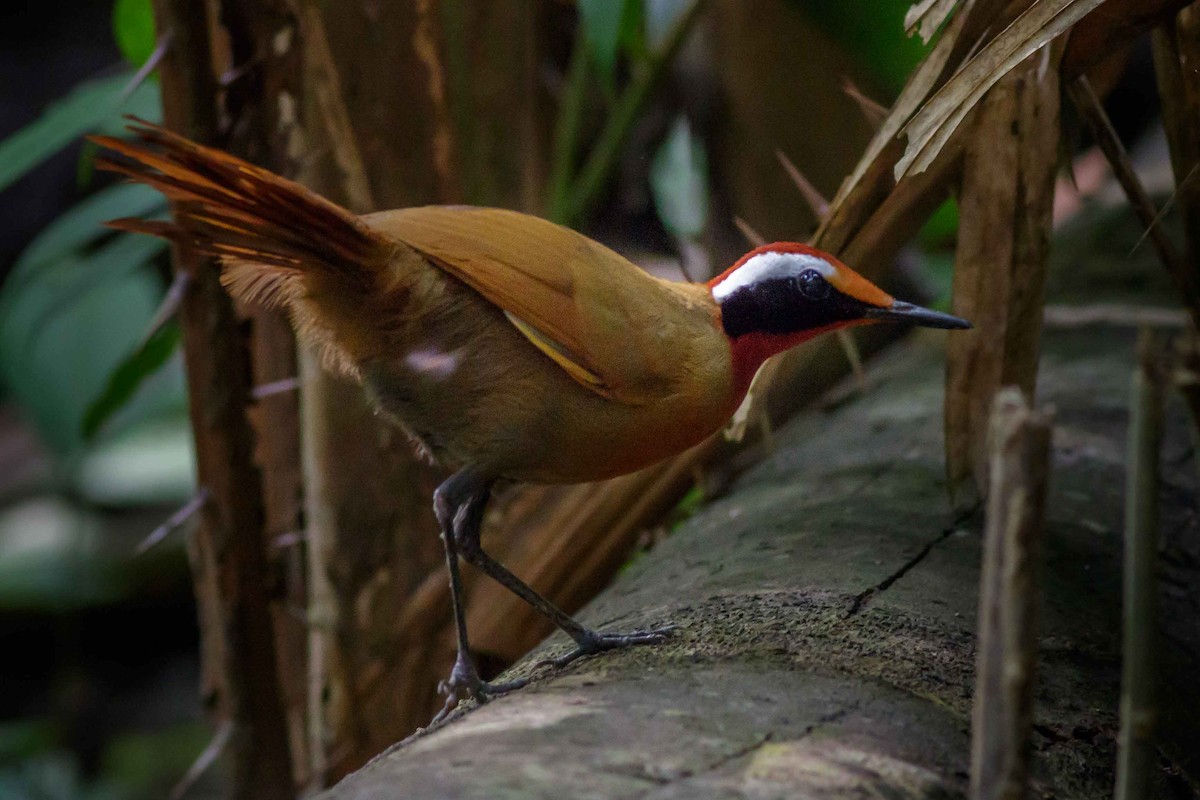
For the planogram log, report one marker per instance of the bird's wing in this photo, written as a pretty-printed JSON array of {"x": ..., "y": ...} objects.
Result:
[{"x": 603, "y": 320}]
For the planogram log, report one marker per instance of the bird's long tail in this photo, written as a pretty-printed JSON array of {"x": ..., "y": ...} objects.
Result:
[{"x": 279, "y": 243}]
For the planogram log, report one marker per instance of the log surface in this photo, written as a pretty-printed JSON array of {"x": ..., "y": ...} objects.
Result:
[{"x": 827, "y": 608}]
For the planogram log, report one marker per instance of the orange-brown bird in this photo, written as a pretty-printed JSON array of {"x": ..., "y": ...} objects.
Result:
[{"x": 505, "y": 345}]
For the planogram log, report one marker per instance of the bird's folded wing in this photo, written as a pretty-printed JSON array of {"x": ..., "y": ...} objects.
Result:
[{"x": 586, "y": 307}]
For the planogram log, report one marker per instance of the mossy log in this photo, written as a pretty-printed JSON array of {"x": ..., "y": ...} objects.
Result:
[{"x": 827, "y": 612}]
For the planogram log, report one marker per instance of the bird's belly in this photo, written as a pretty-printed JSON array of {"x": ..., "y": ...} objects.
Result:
[
  {"x": 493, "y": 402},
  {"x": 604, "y": 439}
]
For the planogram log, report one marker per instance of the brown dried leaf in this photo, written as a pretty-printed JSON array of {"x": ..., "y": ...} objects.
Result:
[
  {"x": 871, "y": 179},
  {"x": 931, "y": 128},
  {"x": 927, "y": 16}
]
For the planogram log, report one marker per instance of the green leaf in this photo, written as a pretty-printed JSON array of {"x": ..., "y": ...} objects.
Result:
[
  {"x": 679, "y": 181},
  {"x": 81, "y": 226},
  {"x": 128, "y": 376},
  {"x": 133, "y": 28},
  {"x": 606, "y": 24},
  {"x": 93, "y": 105},
  {"x": 73, "y": 278},
  {"x": 149, "y": 463},
  {"x": 661, "y": 16},
  {"x": 63, "y": 334}
]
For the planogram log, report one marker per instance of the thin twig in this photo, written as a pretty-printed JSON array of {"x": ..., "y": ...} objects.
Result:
[
  {"x": 1162, "y": 212},
  {"x": 156, "y": 56},
  {"x": 816, "y": 201},
  {"x": 1135, "y": 752},
  {"x": 873, "y": 111},
  {"x": 203, "y": 761},
  {"x": 175, "y": 521},
  {"x": 168, "y": 307},
  {"x": 1106, "y": 137},
  {"x": 752, "y": 236},
  {"x": 281, "y": 386},
  {"x": 289, "y": 539}
]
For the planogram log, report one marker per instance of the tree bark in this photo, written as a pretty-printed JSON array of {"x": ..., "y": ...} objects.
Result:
[
  {"x": 827, "y": 611},
  {"x": 240, "y": 679}
]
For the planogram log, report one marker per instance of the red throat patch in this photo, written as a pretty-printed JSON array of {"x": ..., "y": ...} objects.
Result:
[{"x": 752, "y": 349}]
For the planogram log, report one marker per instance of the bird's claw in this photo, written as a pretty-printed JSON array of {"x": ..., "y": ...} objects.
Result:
[
  {"x": 593, "y": 642},
  {"x": 464, "y": 683}
]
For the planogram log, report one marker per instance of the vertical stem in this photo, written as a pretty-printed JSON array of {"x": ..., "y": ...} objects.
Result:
[
  {"x": 1010, "y": 587},
  {"x": 1135, "y": 758},
  {"x": 1000, "y": 263},
  {"x": 566, "y": 131},
  {"x": 599, "y": 164},
  {"x": 240, "y": 669}
]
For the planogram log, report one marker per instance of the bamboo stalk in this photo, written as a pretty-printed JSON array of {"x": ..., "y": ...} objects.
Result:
[
  {"x": 1009, "y": 591},
  {"x": 1136, "y": 754},
  {"x": 240, "y": 670}
]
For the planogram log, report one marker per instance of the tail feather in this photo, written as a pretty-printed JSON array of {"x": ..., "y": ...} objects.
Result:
[{"x": 278, "y": 242}]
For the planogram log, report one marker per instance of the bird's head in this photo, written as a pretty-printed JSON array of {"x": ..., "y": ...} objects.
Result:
[{"x": 780, "y": 295}]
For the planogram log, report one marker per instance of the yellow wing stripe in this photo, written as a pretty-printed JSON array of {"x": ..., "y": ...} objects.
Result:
[{"x": 561, "y": 356}]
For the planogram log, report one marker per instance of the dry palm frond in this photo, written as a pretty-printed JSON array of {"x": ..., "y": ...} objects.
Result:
[
  {"x": 927, "y": 16},
  {"x": 931, "y": 128}
]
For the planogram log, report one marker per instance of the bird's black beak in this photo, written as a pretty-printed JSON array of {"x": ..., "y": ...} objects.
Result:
[{"x": 915, "y": 315}]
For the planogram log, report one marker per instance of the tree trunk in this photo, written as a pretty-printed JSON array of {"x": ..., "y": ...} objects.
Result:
[{"x": 827, "y": 609}]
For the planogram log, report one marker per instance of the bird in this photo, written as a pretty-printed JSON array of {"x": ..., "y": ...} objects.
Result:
[{"x": 508, "y": 347}]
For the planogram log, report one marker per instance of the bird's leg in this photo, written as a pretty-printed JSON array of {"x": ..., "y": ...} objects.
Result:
[
  {"x": 587, "y": 641},
  {"x": 458, "y": 499}
]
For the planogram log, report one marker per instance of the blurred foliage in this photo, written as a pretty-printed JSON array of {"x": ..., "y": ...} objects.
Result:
[
  {"x": 872, "y": 33},
  {"x": 94, "y": 106},
  {"x": 679, "y": 181},
  {"x": 144, "y": 765},
  {"x": 609, "y": 27},
  {"x": 128, "y": 375},
  {"x": 79, "y": 298},
  {"x": 74, "y": 308},
  {"x": 133, "y": 29}
]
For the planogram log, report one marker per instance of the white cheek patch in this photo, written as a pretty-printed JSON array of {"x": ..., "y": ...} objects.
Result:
[{"x": 769, "y": 266}]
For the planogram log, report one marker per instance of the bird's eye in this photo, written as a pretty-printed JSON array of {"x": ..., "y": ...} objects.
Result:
[{"x": 812, "y": 285}]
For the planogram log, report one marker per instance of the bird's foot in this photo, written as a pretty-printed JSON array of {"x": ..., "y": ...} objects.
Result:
[
  {"x": 464, "y": 683},
  {"x": 592, "y": 642}
]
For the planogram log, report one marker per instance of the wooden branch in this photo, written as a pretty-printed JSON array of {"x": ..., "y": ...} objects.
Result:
[
  {"x": 229, "y": 564},
  {"x": 1009, "y": 596},
  {"x": 1000, "y": 266},
  {"x": 1135, "y": 760},
  {"x": 1176, "y": 52}
]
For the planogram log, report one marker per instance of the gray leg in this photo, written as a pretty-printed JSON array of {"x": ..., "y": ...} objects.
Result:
[
  {"x": 459, "y": 504},
  {"x": 587, "y": 641},
  {"x": 460, "y": 498}
]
